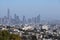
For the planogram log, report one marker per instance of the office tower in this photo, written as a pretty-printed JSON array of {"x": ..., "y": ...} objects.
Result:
[
  {"x": 34, "y": 20},
  {"x": 38, "y": 18},
  {"x": 29, "y": 20},
  {"x": 10, "y": 20},
  {"x": 8, "y": 16},
  {"x": 16, "y": 19},
  {"x": 24, "y": 20},
  {"x": 5, "y": 20},
  {"x": 0, "y": 20},
  {"x": 15, "y": 16}
]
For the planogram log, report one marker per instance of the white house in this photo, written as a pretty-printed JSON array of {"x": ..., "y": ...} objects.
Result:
[
  {"x": 45, "y": 27},
  {"x": 28, "y": 28}
]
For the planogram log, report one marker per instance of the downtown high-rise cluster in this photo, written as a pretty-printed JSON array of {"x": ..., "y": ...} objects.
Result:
[{"x": 8, "y": 20}]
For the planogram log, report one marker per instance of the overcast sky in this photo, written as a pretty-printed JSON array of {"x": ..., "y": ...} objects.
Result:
[{"x": 48, "y": 9}]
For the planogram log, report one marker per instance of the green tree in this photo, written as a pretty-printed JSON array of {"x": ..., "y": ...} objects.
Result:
[
  {"x": 5, "y": 35},
  {"x": 14, "y": 37}
]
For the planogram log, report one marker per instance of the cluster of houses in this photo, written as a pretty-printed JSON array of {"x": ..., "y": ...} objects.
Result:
[{"x": 34, "y": 32}]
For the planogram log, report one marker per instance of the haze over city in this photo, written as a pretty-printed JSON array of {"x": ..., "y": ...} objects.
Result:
[
  {"x": 48, "y": 9},
  {"x": 29, "y": 19}
]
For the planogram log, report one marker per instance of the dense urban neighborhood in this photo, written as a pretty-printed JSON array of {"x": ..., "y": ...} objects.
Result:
[
  {"x": 29, "y": 19},
  {"x": 30, "y": 32}
]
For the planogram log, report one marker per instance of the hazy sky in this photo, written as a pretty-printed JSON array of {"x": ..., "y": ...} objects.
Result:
[{"x": 48, "y": 9}]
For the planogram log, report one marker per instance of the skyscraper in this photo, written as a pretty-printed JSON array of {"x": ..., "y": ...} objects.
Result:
[
  {"x": 8, "y": 16},
  {"x": 0, "y": 20},
  {"x": 15, "y": 16},
  {"x": 16, "y": 19},
  {"x": 38, "y": 18},
  {"x": 24, "y": 20},
  {"x": 34, "y": 20},
  {"x": 29, "y": 20}
]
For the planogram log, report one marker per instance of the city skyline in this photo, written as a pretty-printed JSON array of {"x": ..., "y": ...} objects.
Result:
[
  {"x": 29, "y": 19},
  {"x": 16, "y": 20},
  {"x": 48, "y": 9}
]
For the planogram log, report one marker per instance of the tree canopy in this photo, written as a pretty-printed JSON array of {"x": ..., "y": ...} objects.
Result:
[{"x": 5, "y": 35}]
